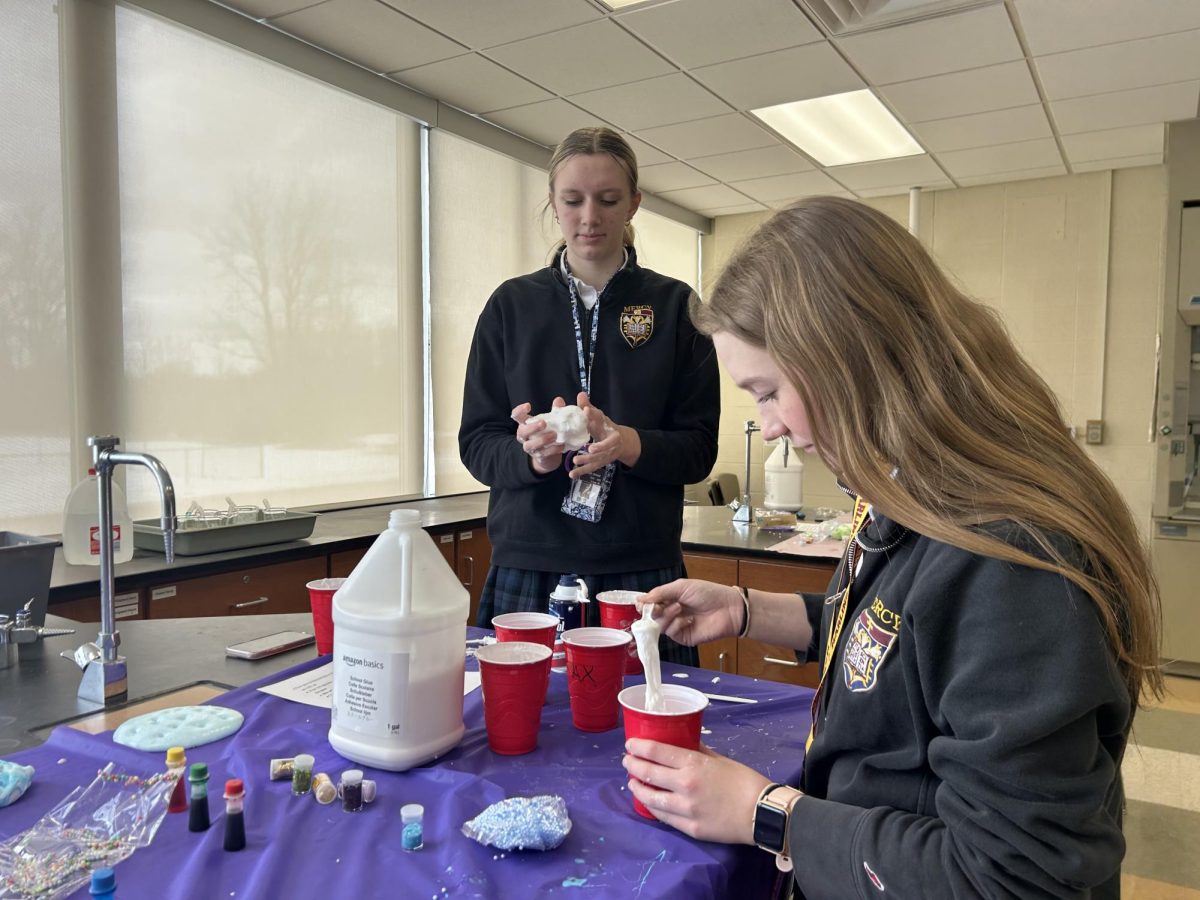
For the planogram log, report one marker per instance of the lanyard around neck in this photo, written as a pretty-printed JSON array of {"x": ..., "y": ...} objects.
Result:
[
  {"x": 585, "y": 367},
  {"x": 861, "y": 512}
]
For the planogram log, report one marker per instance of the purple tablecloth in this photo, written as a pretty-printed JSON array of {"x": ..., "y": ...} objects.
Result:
[{"x": 298, "y": 848}]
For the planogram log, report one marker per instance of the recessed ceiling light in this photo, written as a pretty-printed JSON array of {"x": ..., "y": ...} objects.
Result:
[
  {"x": 621, "y": 4},
  {"x": 841, "y": 129}
]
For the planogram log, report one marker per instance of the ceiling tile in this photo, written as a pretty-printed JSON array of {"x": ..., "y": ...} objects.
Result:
[
  {"x": 546, "y": 123},
  {"x": 777, "y": 160},
  {"x": 1142, "y": 106},
  {"x": 799, "y": 73},
  {"x": 1138, "y": 140},
  {"x": 1002, "y": 126},
  {"x": 1072, "y": 24},
  {"x": 582, "y": 58},
  {"x": 1004, "y": 158},
  {"x": 646, "y": 155},
  {"x": 963, "y": 93},
  {"x": 493, "y": 22},
  {"x": 472, "y": 83},
  {"x": 1125, "y": 162},
  {"x": 967, "y": 40},
  {"x": 700, "y": 32},
  {"x": 913, "y": 171},
  {"x": 265, "y": 9},
  {"x": 735, "y": 210},
  {"x": 708, "y": 137},
  {"x": 670, "y": 176},
  {"x": 1118, "y": 67},
  {"x": 712, "y": 196},
  {"x": 368, "y": 33},
  {"x": 1020, "y": 175},
  {"x": 656, "y": 101},
  {"x": 788, "y": 187}
]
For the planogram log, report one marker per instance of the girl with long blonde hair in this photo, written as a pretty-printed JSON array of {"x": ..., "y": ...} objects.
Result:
[{"x": 994, "y": 626}]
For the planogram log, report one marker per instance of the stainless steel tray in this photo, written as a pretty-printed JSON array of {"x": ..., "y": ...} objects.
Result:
[{"x": 294, "y": 526}]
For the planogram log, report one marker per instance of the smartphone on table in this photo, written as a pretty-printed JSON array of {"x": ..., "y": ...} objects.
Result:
[{"x": 270, "y": 644}]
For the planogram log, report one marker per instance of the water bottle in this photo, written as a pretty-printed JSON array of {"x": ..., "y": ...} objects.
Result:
[
  {"x": 400, "y": 630},
  {"x": 81, "y": 524},
  {"x": 566, "y": 602}
]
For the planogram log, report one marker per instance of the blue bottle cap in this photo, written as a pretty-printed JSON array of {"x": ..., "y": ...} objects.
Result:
[
  {"x": 104, "y": 881},
  {"x": 568, "y": 580}
]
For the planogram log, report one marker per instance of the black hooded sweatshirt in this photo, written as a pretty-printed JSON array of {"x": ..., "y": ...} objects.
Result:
[
  {"x": 665, "y": 386},
  {"x": 969, "y": 743}
]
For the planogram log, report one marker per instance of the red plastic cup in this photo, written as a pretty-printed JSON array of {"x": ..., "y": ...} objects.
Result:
[
  {"x": 618, "y": 609},
  {"x": 320, "y": 595},
  {"x": 534, "y": 627},
  {"x": 679, "y": 725},
  {"x": 595, "y": 668},
  {"x": 513, "y": 677}
]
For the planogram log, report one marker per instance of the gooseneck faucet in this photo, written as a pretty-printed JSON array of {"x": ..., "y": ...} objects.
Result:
[
  {"x": 744, "y": 512},
  {"x": 106, "y": 678}
]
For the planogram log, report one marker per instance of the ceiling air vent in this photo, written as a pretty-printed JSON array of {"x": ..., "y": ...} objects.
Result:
[{"x": 848, "y": 16}]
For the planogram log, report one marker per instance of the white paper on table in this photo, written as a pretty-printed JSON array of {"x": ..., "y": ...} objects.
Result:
[{"x": 315, "y": 687}]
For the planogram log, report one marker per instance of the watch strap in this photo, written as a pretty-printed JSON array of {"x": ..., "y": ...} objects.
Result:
[{"x": 772, "y": 815}]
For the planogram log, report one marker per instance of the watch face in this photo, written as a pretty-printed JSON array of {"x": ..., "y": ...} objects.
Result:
[{"x": 770, "y": 828}]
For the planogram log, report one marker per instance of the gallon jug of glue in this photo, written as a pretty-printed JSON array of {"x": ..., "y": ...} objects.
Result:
[
  {"x": 783, "y": 479},
  {"x": 398, "y": 648}
]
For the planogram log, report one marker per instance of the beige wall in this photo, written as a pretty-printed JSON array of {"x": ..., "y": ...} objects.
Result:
[{"x": 1073, "y": 264}]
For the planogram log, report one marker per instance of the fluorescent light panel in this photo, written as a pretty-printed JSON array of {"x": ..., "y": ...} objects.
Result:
[
  {"x": 841, "y": 129},
  {"x": 619, "y": 4}
]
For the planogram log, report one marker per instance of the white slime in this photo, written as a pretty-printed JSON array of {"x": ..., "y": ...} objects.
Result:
[{"x": 645, "y": 632}]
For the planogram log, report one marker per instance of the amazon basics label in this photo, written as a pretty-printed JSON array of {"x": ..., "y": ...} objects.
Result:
[{"x": 370, "y": 691}]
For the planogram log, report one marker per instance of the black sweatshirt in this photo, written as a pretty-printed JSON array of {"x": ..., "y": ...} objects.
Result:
[
  {"x": 666, "y": 387},
  {"x": 970, "y": 740}
]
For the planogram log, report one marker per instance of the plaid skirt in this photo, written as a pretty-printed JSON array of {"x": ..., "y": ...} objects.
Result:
[{"x": 522, "y": 590}]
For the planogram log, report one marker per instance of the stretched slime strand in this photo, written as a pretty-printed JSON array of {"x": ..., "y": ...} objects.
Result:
[{"x": 645, "y": 632}]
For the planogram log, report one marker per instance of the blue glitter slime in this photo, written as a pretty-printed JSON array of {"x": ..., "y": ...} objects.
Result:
[
  {"x": 412, "y": 838},
  {"x": 522, "y": 823}
]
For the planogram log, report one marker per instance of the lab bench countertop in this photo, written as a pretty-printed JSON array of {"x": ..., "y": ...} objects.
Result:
[
  {"x": 706, "y": 529},
  {"x": 163, "y": 655}
]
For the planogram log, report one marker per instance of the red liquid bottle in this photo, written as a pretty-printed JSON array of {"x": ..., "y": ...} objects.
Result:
[{"x": 177, "y": 765}]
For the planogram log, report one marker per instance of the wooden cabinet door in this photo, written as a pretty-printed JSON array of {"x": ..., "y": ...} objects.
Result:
[
  {"x": 249, "y": 592},
  {"x": 474, "y": 558},
  {"x": 126, "y": 605},
  {"x": 342, "y": 563},
  {"x": 722, "y": 655},
  {"x": 447, "y": 547},
  {"x": 758, "y": 659}
]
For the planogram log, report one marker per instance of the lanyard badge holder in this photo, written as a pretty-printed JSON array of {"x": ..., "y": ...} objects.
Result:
[{"x": 585, "y": 500}]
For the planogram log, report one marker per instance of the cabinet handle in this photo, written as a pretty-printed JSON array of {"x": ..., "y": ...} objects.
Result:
[
  {"x": 259, "y": 602},
  {"x": 781, "y": 662},
  {"x": 721, "y": 657},
  {"x": 470, "y": 579}
]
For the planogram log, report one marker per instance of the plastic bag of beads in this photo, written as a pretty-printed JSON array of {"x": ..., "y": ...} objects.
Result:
[
  {"x": 94, "y": 826},
  {"x": 522, "y": 823}
]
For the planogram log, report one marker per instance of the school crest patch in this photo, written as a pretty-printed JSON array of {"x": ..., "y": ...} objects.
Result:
[
  {"x": 637, "y": 324},
  {"x": 866, "y": 647}
]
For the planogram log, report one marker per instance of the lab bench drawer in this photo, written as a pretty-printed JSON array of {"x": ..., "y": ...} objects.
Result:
[{"x": 248, "y": 592}]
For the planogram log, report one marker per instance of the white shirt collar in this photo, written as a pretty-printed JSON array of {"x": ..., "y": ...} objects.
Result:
[{"x": 588, "y": 295}]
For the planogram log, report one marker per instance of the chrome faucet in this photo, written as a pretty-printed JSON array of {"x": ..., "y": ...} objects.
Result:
[
  {"x": 743, "y": 513},
  {"x": 22, "y": 634},
  {"x": 105, "y": 676}
]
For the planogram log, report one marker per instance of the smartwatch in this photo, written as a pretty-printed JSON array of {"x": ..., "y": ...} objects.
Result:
[{"x": 771, "y": 821}]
